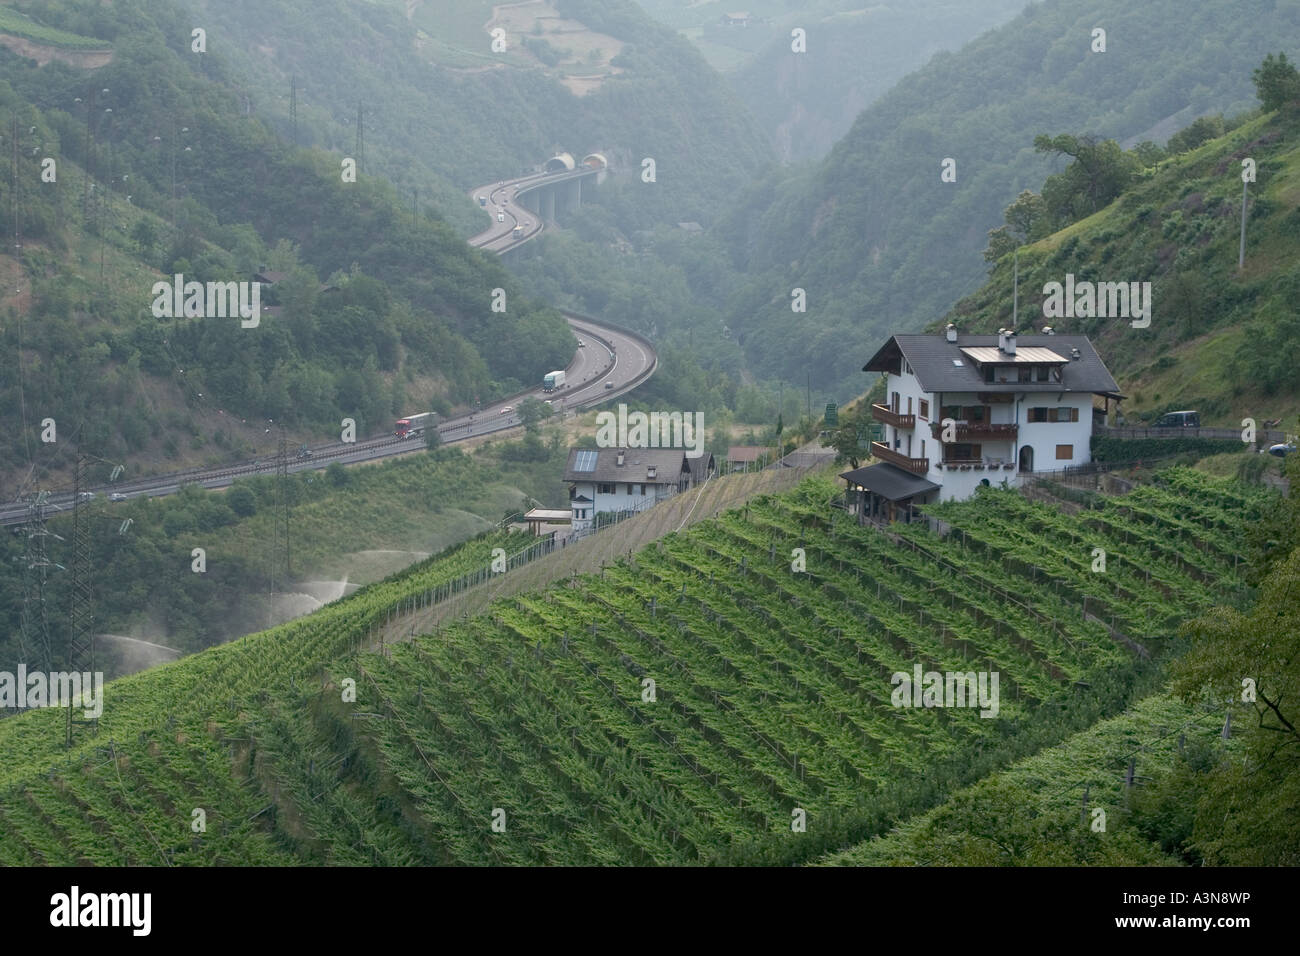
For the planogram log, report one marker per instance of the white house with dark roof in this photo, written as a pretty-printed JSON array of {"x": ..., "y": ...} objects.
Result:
[
  {"x": 620, "y": 480},
  {"x": 1017, "y": 404}
]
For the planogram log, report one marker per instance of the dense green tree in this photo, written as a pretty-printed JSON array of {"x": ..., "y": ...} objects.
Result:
[
  {"x": 1277, "y": 82},
  {"x": 1099, "y": 173}
]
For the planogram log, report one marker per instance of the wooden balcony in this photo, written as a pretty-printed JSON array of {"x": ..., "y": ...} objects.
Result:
[
  {"x": 887, "y": 416},
  {"x": 917, "y": 466},
  {"x": 979, "y": 431}
]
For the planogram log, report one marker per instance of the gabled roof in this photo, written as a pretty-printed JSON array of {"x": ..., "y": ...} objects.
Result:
[
  {"x": 744, "y": 454},
  {"x": 889, "y": 482},
  {"x": 669, "y": 464},
  {"x": 932, "y": 356},
  {"x": 700, "y": 466}
]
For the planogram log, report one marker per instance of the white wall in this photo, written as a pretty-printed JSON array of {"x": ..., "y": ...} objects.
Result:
[
  {"x": 1043, "y": 437},
  {"x": 620, "y": 500}
]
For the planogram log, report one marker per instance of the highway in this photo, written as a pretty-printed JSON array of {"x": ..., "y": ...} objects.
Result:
[{"x": 607, "y": 355}]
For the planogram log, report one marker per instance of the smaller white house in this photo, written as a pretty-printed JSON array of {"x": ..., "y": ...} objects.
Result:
[
  {"x": 625, "y": 480},
  {"x": 968, "y": 410}
]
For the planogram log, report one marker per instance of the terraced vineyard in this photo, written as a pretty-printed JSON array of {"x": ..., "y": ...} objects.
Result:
[
  {"x": 533, "y": 734},
  {"x": 1046, "y": 794}
]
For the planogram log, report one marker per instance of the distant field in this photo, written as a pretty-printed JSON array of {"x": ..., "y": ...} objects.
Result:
[
  {"x": 455, "y": 23},
  {"x": 18, "y": 24}
]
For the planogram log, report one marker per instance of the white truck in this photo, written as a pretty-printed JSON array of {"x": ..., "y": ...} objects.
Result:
[{"x": 552, "y": 381}]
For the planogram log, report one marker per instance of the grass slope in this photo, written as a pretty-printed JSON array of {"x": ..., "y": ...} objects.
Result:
[{"x": 1220, "y": 340}]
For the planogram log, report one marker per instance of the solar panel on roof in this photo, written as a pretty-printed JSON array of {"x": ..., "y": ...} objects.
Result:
[{"x": 585, "y": 461}]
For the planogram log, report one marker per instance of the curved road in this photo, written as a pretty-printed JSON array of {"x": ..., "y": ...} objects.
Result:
[{"x": 607, "y": 355}]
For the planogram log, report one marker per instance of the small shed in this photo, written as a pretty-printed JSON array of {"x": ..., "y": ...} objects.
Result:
[{"x": 538, "y": 518}]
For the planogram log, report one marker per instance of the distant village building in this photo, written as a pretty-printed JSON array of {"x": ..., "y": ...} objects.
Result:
[
  {"x": 740, "y": 19},
  {"x": 746, "y": 457},
  {"x": 625, "y": 480},
  {"x": 268, "y": 276},
  {"x": 1016, "y": 404}
]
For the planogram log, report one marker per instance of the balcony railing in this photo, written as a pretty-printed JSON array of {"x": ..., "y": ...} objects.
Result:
[
  {"x": 917, "y": 466},
  {"x": 888, "y": 416},
  {"x": 972, "y": 464},
  {"x": 979, "y": 430}
]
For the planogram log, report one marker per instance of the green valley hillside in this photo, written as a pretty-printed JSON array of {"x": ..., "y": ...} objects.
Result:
[
  {"x": 1221, "y": 340},
  {"x": 876, "y": 238}
]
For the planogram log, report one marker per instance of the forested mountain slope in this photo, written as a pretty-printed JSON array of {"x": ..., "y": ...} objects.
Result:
[{"x": 876, "y": 238}]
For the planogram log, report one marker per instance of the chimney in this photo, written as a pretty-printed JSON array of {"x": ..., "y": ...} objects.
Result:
[
  {"x": 1002, "y": 340},
  {"x": 1011, "y": 342},
  {"x": 1074, "y": 354},
  {"x": 1048, "y": 330},
  {"x": 951, "y": 333},
  {"x": 619, "y": 462}
]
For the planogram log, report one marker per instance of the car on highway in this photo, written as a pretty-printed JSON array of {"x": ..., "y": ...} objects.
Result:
[
  {"x": 501, "y": 217},
  {"x": 117, "y": 496},
  {"x": 581, "y": 344},
  {"x": 609, "y": 384},
  {"x": 1281, "y": 450},
  {"x": 86, "y": 496},
  {"x": 506, "y": 409}
]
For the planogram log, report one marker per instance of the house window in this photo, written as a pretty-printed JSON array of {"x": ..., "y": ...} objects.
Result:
[
  {"x": 925, "y": 409},
  {"x": 1042, "y": 373},
  {"x": 1025, "y": 373},
  {"x": 988, "y": 372},
  {"x": 1060, "y": 413},
  {"x": 909, "y": 404},
  {"x": 1064, "y": 452},
  {"x": 951, "y": 411},
  {"x": 962, "y": 452},
  {"x": 605, "y": 489}
]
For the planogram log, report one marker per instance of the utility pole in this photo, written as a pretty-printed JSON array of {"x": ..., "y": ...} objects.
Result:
[
  {"x": 280, "y": 519},
  {"x": 1015, "y": 289},
  {"x": 1241, "y": 251},
  {"x": 16, "y": 185},
  {"x": 81, "y": 644},
  {"x": 103, "y": 197},
  {"x": 293, "y": 107},
  {"x": 34, "y": 632},
  {"x": 361, "y": 142},
  {"x": 90, "y": 163}
]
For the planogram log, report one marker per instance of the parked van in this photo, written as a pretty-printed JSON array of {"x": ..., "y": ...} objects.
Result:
[{"x": 1185, "y": 419}]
